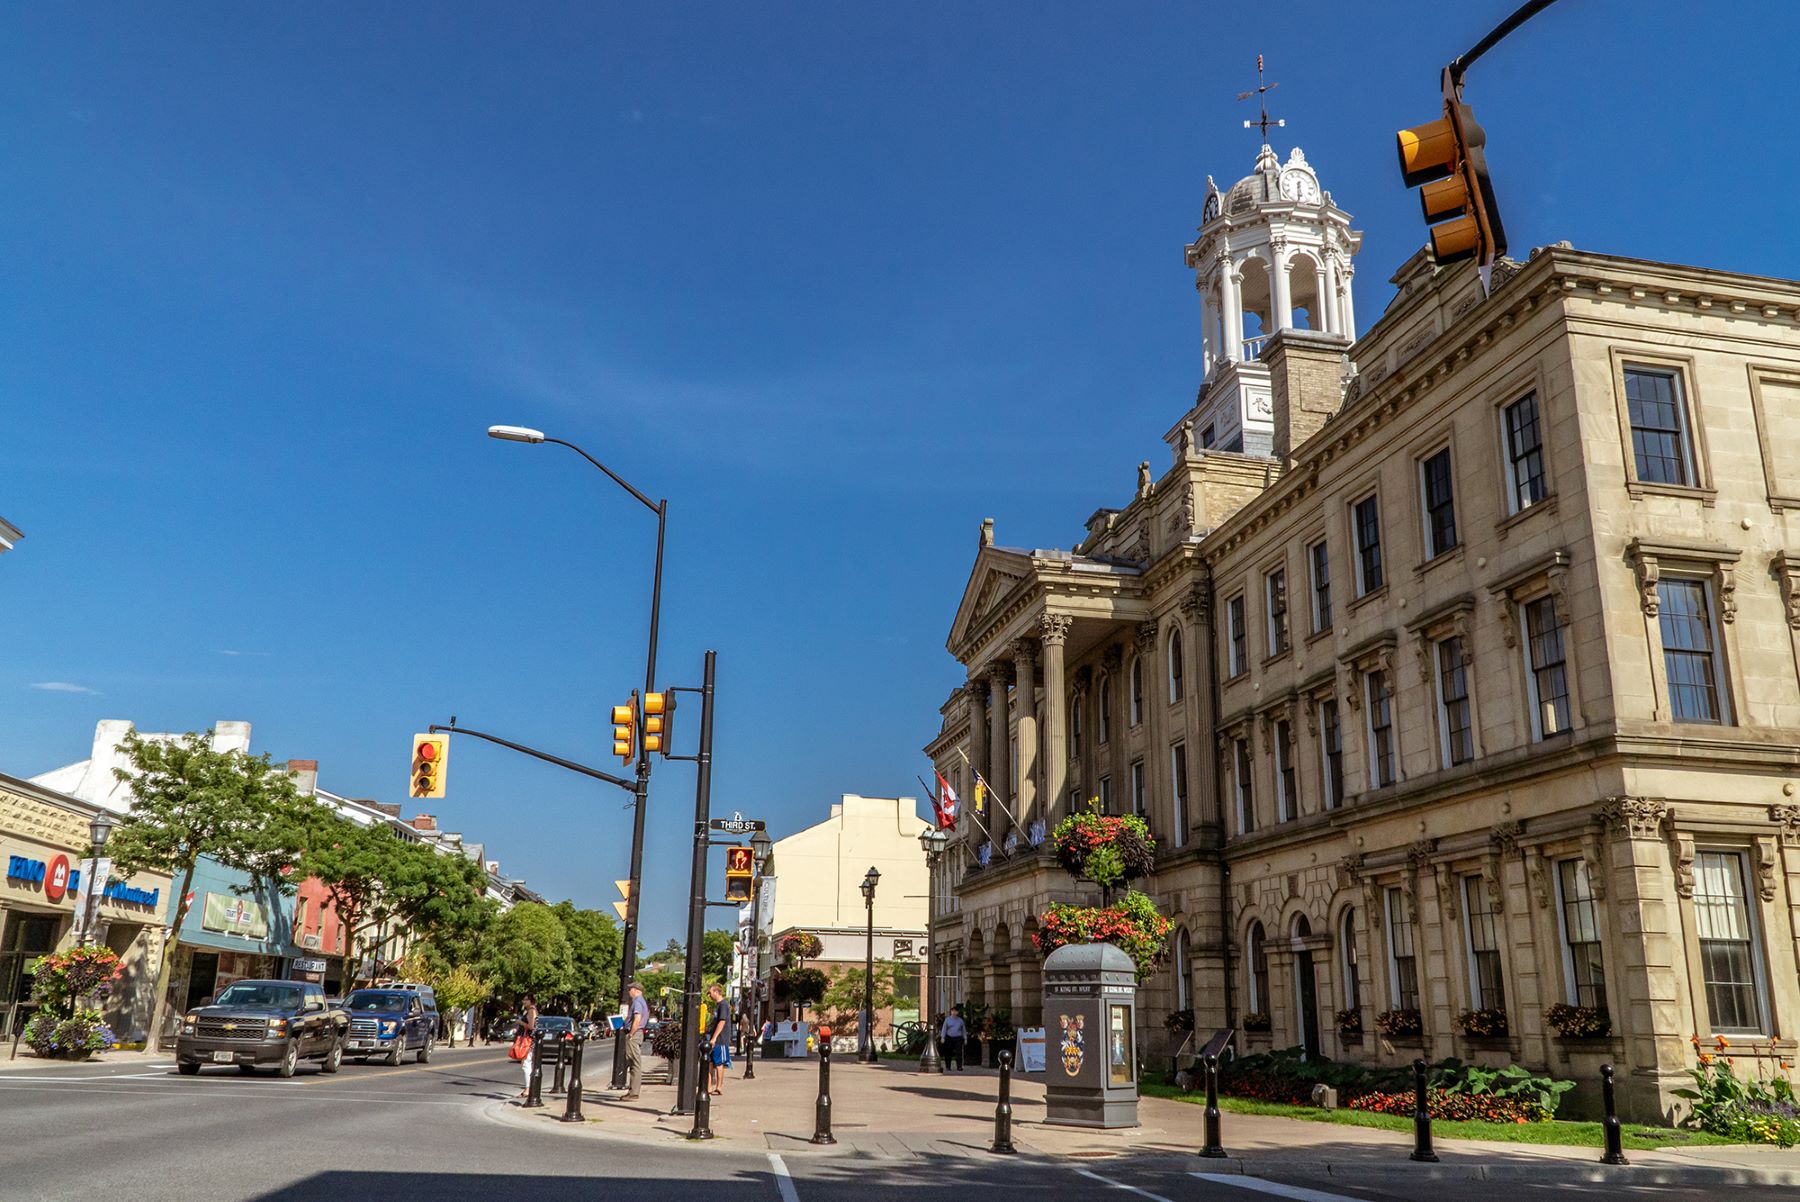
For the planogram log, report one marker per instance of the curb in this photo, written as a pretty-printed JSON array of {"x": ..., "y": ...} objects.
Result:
[{"x": 1553, "y": 1172}]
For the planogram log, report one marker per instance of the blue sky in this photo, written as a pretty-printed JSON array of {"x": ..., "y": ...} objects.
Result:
[{"x": 839, "y": 280}]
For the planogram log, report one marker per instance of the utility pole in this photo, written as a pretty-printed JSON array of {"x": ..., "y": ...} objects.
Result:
[{"x": 690, "y": 1016}]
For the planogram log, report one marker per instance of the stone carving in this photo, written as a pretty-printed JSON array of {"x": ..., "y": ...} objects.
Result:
[
  {"x": 1372, "y": 905},
  {"x": 1509, "y": 621},
  {"x": 1493, "y": 877},
  {"x": 1592, "y": 863},
  {"x": 1418, "y": 855},
  {"x": 1024, "y": 655},
  {"x": 1768, "y": 860},
  {"x": 1788, "y": 819},
  {"x": 1537, "y": 875},
  {"x": 1726, "y": 577},
  {"x": 987, "y": 532},
  {"x": 1683, "y": 848},
  {"x": 1505, "y": 837},
  {"x": 1446, "y": 891},
  {"x": 1146, "y": 487},
  {"x": 1648, "y": 574},
  {"x": 1424, "y": 649},
  {"x": 1054, "y": 628},
  {"x": 1144, "y": 637},
  {"x": 1786, "y": 570},
  {"x": 1349, "y": 870},
  {"x": 1634, "y": 817},
  {"x": 1198, "y": 603},
  {"x": 1557, "y": 576}
]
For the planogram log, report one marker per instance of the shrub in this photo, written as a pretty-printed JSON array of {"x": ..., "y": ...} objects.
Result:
[
  {"x": 1512, "y": 1083},
  {"x": 1179, "y": 1022},
  {"x": 1287, "y": 1076},
  {"x": 1762, "y": 1111},
  {"x": 1399, "y": 1022},
  {"x": 1490, "y": 1021},
  {"x": 1578, "y": 1022},
  {"x": 1454, "y": 1107}
]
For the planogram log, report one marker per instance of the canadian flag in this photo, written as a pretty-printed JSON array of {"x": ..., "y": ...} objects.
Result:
[{"x": 946, "y": 804}]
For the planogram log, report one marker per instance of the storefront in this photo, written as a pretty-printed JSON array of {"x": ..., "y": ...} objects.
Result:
[
  {"x": 235, "y": 929},
  {"x": 44, "y": 840}
]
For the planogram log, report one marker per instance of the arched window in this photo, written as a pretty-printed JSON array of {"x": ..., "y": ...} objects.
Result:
[
  {"x": 1175, "y": 685},
  {"x": 1076, "y": 700},
  {"x": 1137, "y": 690},
  {"x": 1105, "y": 731},
  {"x": 1259, "y": 970},
  {"x": 1352, "y": 993},
  {"x": 1184, "y": 972}
]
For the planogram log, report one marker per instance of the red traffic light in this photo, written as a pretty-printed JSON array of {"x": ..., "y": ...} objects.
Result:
[{"x": 428, "y": 751}]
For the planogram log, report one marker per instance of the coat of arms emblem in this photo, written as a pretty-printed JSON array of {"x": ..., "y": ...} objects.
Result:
[{"x": 1074, "y": 1044}]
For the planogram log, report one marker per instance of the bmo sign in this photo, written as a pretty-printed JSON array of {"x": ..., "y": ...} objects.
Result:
[{"x": 57, "y": 878}]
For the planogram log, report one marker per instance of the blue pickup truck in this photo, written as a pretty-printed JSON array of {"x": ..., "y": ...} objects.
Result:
[{"x": 390, "y": 1023}]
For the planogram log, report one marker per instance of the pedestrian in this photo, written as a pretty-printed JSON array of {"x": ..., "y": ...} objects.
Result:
[
  {"x": 954, "y": 1032},
  {"x": 636, "y": 1021},
  {"x": 528, "y": 1016},
  {"x": 746, "y": 1029},
  {"x": 718, "y": 1039}
]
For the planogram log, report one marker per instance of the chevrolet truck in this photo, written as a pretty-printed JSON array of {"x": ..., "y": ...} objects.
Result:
[{"x": 253, "y": 1023}]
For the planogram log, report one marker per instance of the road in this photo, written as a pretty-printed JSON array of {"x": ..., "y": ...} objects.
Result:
[{"x": 430, "y": 1132}]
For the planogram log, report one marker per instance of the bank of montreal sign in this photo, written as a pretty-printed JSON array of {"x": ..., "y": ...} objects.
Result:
[{"x": 59, "y": 880}]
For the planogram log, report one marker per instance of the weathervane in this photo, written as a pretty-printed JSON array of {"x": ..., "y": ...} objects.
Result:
[{"x": 1261, "y": 94}]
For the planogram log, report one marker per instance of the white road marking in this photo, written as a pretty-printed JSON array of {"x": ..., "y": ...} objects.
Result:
[
  {"x": 1257, "y": 1184},
  {"x": 1089, "y": 1173},
  {"x": 783, "y": 1181}
]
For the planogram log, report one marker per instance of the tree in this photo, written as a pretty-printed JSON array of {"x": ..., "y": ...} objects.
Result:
[
  {"x": 354, "y": 863},
  {"x": 717, "y": 950},
  {"x": 189, "y": 801},
  {"x": 843, "y": 1000},
  {"x": 436, "y": 893},
  {"x": 527, "y": 951},
  {"x": 595, "y": 949}
]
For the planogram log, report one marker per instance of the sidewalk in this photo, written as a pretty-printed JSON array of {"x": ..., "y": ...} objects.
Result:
[
  {"x": 891, "y": 1111},
  {"x": 28, "y": 1059}
]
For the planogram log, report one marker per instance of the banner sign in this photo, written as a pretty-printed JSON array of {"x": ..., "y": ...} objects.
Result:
[{"x": 234, "y": 916}]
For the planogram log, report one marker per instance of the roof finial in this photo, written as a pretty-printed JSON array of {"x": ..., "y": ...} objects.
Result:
[
  {"x": 1262, "y": 104},
  {"x": 987, "y": 532}
]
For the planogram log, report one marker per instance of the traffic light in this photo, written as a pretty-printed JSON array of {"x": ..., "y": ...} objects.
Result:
[
  {"x": 430, "y": 753},
  {"x": 625, "y": 720},
  {"x": 1447, "y": 161},
  {"x": 623, "y": 905},
  {"x": 738, "y": 872},
  {"x": 659, "y": 718}
]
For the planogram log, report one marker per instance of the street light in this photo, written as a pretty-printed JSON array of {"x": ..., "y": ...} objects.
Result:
[
  {"x": 99, "y": 831},
  {"x": 641, "y": 793},
  {"x": 760, "y": 843},
  {"x": 867, "y": 1054},
  {"x": 933, "y": 841}
]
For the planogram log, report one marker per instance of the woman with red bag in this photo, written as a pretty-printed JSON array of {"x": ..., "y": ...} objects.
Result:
[{"x": 523, "y": 1045}]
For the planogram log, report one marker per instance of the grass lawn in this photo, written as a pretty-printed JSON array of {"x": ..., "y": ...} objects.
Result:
[{"x": 1581, "y": 1135}]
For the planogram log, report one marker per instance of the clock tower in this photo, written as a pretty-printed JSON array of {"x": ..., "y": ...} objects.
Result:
[{"x": 1273, "y": 252}]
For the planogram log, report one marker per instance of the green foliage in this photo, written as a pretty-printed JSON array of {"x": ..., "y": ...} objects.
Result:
[
  {"x": 527, "y": 951},
  {"x": 1578, "y": 1022},
  {"x": 1762, "y": 1110},
  {"x": 51, "y": 1033},
  {"x": 716, "y": 953},
  {"x": 460, "y": 988},
  {"x": 802, "y": 986},
  {"x": 843, "y": 998},
  {"x": 1132, "y": 924},
  {"x": 1106, "y": 850},
  {"x": 1287, "y": 1076},
  {"x": 1512, "y": 1082},
  {"x": 595, "y": 947}
]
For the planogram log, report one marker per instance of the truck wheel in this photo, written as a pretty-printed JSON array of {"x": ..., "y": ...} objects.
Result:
[
  {"x": 290, "y": 1059},
  {"x": 425, "y": 1049},
  {"x": 188, "y": 1068},
  {"x": 333, "y": 1058},
  {"x": 395, "y": 1052}
]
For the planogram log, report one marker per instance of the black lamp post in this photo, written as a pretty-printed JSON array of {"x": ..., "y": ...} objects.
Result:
[
  {"x": 867, "y": 1054},
  {"x": 760, "y": 846},
  {"x": 933, "y": 841},
  {"x": 99, "y": 830}
]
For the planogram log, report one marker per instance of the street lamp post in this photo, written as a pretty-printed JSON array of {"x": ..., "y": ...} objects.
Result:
[
  {"x": 867, "y": 1054},
  {"x": 99, "y": 831},
  {"x": 933, "y": 841},
  {"x": 641, "y": 793},
  {"x": 760, "y": 845}
]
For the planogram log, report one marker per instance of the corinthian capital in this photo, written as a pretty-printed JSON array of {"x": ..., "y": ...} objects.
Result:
[
  {"x": 1635, "y": 817},
  {"x": 1145, "y": 636},
  {"x": 1054, "y": 628}
]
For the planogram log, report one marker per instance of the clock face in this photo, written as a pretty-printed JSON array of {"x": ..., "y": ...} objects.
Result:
[
  {"x": 1299, "y": 186},
  {"x": 1211, "y": 208}
]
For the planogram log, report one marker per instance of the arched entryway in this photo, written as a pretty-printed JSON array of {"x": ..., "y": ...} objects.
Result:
[{"x": 1306, "y": 987}]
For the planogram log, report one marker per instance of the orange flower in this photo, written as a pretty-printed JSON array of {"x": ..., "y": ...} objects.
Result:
[
  {"x": 1705, "y": 1057},
  {"x": 1723, "y": 1042},
  {"x": 1694, "y": 1039},
  {"x": 1729, "y": 1060}
]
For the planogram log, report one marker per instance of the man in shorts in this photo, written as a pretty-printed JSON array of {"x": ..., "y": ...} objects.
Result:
[{"x": 718, "y": 1038}]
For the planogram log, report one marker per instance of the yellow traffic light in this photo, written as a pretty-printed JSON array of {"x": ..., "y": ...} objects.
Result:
[
  {"x": 430, "y": 755},
  {"x": 625, "y": 720},
  {"x": 1447, "y": 157},
  {"x": 659, "y": 716}
]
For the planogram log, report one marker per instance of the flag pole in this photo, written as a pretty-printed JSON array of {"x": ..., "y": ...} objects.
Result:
[
  {"x": 998, "y": 800},
  {"x": 961, "y": 807}
]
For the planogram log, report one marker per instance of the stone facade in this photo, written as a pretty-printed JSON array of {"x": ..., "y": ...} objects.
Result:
[{"x": 1479, "y": 694}]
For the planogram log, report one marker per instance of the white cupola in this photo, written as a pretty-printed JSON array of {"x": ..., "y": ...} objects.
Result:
[{"x": 1272, "y": 252}]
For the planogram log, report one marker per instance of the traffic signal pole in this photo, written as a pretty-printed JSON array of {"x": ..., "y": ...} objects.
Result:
[{"x": 691, "y": 1066}]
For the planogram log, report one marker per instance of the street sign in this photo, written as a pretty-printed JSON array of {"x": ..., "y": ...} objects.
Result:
[{"x": 737, "y": 824}]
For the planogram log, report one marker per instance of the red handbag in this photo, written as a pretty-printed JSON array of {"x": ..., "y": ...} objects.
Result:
[{"x": 521, "y": 1047}]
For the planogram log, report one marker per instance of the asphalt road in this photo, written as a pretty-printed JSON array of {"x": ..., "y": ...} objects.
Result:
[{"x": 428, "y": 1132}]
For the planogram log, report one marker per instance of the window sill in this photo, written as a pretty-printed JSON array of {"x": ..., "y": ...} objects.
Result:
[
  {"x": 1369, "y": 596},
  {"x": 1638, "y": 490},
  {"x": 1454, "y": 553},
  {"x": 1240, "y": 674},
  {"x": 1504, "y": 527},
  {"x": 1278, "y": 656},
  {"x": 1316, "y": 635}
]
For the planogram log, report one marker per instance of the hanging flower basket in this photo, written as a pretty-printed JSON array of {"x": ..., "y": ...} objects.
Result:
[
  {"x": 799, "y": 947},
  {"x": 1399, "y": 1022},
  {"x": 1578, "y": 1022},
  {"x": 1131, "y": 924},
  {"x": 1489, "y": 1022},
  {"x": 1105, "y": 850}
]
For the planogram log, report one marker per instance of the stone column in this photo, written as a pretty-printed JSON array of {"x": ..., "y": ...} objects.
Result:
[
  {"x": 1328, "y": 297},
  {"x": 1232, "y": 309},
  {"x": 999, "y": 770},
  {"x": 1321, "y": 310},
  {"x": 1347, "y": 304},
  {"x": 978, "y": 752},
  {"x": 1053, "y": 633},
  {"x": 1209, "y": 330},
  {"x": 1157, "y": 786},
  {"x": 1026, "y": 787},
  {"x": 1281, "y": 308},
  {"x": 1118, "y": 735}
]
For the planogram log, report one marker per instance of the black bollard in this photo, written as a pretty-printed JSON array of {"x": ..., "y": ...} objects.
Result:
[
  {"x": 1615, "y": 1141},
  {"x": 1003, "y": 1108},
  {"x": 822, "y": 1109},
  {"x": 1421, "y": 1117},
  {"x": 702, "y": 1128},
  {"x": 750, "y": 1057},
  {"x": 562, "y": 1057},
  {"x": 1214, "y": 1149},
  {"x": 572, "y": 1112},
  {"x": 535, "y": 1096}
]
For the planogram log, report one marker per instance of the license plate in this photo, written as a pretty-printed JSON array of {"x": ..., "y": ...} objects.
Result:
[{"x": 223, "y": 1057}]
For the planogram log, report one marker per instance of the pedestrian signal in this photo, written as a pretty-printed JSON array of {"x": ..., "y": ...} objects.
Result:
[
  {"x": 739, "y": 869},
  {"x": 625, "y": 720},
  {"x": 430, "y": 753}
]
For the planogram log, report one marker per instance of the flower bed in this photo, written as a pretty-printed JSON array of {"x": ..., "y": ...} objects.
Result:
[
  {"x": 1762, "y": 1110},
  {"x": 1456, "y": 1107}
]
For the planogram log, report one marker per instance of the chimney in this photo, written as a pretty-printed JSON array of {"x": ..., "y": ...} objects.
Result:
[
  {"x": 1306, "y": 370},
  {"x": 424, "y": 822},
  {"x": 390, "y": 808},
  {"x": 305, "y": 774}
]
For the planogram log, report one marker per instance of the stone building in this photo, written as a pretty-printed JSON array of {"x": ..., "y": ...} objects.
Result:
[{"x": 1460, "y": 683}]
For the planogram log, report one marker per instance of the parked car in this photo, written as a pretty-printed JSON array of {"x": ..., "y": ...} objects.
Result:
[
  {"x": 263, "y": 1022},
  {"x": 390, "y": 1023}
]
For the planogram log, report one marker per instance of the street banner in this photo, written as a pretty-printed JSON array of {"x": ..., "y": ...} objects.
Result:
[{"x": 234, "y": 916}]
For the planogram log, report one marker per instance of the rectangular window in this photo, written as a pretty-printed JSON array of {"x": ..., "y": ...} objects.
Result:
[
  {"x": 1524, "y": 454},
  {"x": 1246, "y": 791},
  {"x": 1321, "y": 587},
  {"x": 1546, "y": 677},
  {"x": 1690, "y": 651},
  {"x": 1659, "y": 443},
  {"x": 1455, "y": 730},
  {"x": 1239, "y": 658},
  {"x": 1403, "y": 961},
  {"x": 1381, "y": 731},
  {"x": 1487, "y": 985},
  {"x": 1287, "y": 792},
  {"x": 1275, "y": 588},
  {"x": 1366, "y": 517},
  {"x": 1121, "y": 1061},
  {"x": 1207, "y": 437},
  {"x": 1137, "y": 787},
  {"x": 1179, "y": 775},
  {"x": 1331, "y": 744},
  {"x": 1440, "y": 504},
  {"x": 1105, "y": 794},
  {"x": 1581, "y": 935},
  {"x": 1728, "y": 959}
]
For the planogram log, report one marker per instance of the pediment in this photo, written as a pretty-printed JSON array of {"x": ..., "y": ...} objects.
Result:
[{"x": 996, "y": 579}]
